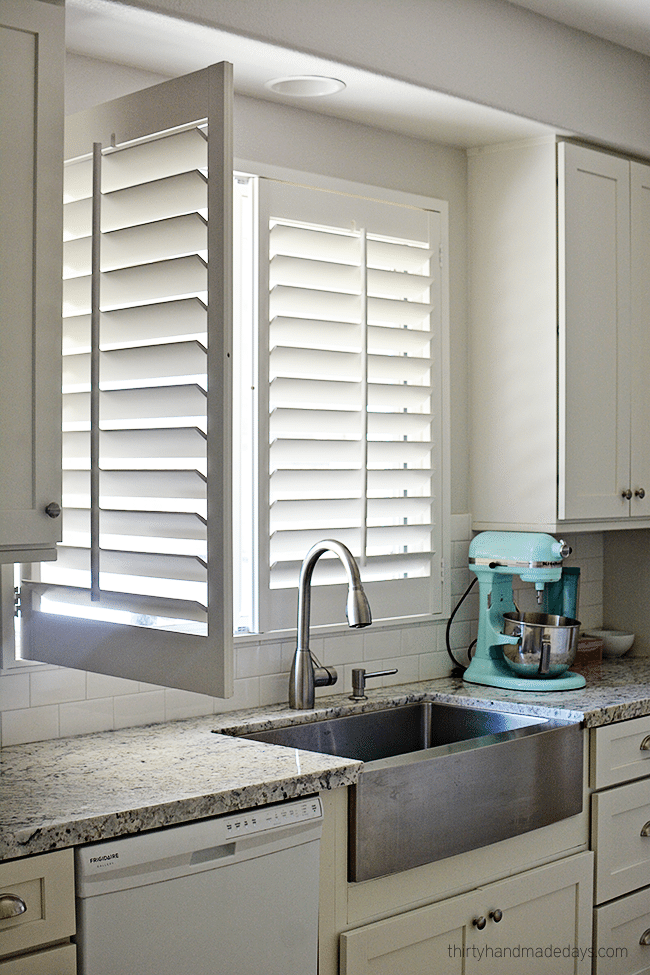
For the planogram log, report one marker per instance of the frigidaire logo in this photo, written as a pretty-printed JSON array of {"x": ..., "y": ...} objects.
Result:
[{"x": 107, "y": 856}]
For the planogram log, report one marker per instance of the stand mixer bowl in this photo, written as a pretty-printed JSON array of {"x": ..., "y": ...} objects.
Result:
[{"x": 547, "y": 644}]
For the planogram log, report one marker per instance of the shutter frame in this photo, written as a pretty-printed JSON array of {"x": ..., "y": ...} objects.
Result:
[
  {"x": 184, "y": 660},
  {"x": 432, "y": 600}
]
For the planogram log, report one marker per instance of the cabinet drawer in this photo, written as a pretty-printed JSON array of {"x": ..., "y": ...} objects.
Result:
[
  {"x": 51, "y": 961},
  {"x": 618, "y": 818},
  {"x": 618, "y": 929},
  {"x": 620, "y": 752},
  {"x": 46, "y": 885}
]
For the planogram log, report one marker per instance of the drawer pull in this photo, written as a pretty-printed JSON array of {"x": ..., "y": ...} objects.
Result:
[
  {"x": 479, "y": 922},
  {"x": 496, "y": 915},
  {"x": 645, "y": 831},
  {"x": 645, "y": 937},
  {"x": 11, "y": 906},
  {"x": 645, "y": 744}
]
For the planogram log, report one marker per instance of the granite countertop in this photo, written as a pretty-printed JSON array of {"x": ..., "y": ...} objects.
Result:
[{"x": 56, "y": 794}]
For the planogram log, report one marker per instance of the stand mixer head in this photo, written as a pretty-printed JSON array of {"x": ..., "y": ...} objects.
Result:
[{"x": 495, "y": 557}]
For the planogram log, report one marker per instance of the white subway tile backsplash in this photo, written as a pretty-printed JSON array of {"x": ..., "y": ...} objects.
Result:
[
  {"x": 421, "y": 639},
  {"x": 186, "y": 704},
  {"x": 246, "y": 695},
  {"x": 30, "y": 724},
  {"x": 49, "y": 702},
  {"x": 14, "y": 692},
  {"x": 379, "y": 644},
  {"x": 275, "y": 688},
  {"x": 147, "y": 707},
  {"x": 57, "y": 685},
  {"x": 85, "y": 717},
  {"x": 434, "y": 665},
  {"x": 257, "y": 661},
  {"x": 459, "y": 554},
  {"x": 101, "y": 685}
]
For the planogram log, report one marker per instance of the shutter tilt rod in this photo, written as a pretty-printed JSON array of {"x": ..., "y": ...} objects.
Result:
[{"x": 95, "y": 277}]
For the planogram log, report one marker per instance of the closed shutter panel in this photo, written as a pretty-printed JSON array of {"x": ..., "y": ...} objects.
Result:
[
  {"x": 145, "y": 556},
  {"x": 355, "y": 402}
]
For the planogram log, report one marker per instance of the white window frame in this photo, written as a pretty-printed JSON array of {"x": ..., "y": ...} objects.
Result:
[{"x": 380, "y": 194}]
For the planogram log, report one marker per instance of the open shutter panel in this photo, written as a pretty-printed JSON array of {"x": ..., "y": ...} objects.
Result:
[
  {"x": 160, "y": 608},
  {"x": 354, "y": 342}
]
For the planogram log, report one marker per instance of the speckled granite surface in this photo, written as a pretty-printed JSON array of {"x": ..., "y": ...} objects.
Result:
[
  {"x": 616, "y": 690},
  {"x": 61, "y": 793},
  {"x": 55, "y": 794}
]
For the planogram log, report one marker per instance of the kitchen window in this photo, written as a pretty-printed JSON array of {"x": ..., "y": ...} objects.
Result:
[
  {"x": 338, "y": 414},
  {"x": 350, "y": 397}
]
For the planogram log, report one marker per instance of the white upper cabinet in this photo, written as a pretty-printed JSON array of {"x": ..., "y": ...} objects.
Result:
[
  {"x": 594, "y": 333},
  {"x": 31, "y": 163},
  {"x": 560, "y": 244},
  {"x": 640, "y": 340}
]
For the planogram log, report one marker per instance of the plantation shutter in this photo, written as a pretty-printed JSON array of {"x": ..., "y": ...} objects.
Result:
[
  {"x": 355, "y": 400},
  {"x": 141, "y": 587}
]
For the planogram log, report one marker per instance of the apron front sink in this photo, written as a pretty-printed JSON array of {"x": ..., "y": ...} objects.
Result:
[{"x": 440, "y": 779}]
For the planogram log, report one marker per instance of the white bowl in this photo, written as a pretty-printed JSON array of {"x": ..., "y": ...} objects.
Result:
[{"x": 615, "y": 642}]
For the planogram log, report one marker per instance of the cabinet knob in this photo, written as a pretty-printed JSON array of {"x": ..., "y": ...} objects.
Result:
[
  {"x": 639, "y": 493},
  {"x": 645, "y": 744},
  {"x": 496, "y": 915},
  {"x": 479, "y": 922},
  {"x": 627, "y": 494},
  {"x": 11, "y": 905},
  {"x": 53, "y": 510},
  {"x": 645, "y": 830},
  {"x": 645, "y": 937}
]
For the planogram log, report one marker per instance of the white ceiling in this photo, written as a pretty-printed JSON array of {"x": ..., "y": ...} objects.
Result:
[
  {"x": 625, "y": 22},
  {"x": 167, "y": 46}
]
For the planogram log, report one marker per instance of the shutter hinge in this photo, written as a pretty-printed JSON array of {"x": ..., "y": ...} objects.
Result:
[
  {"x": 440, "y": 256},
  {"x": 17, "y": 602},
  {"x": 442, "y": 571}
]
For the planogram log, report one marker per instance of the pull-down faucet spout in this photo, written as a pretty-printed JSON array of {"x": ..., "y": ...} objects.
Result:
[{"x": 304, "y": 677}]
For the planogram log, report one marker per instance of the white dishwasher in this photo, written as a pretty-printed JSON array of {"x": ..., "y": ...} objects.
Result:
[{"x": 232, "y": 895}]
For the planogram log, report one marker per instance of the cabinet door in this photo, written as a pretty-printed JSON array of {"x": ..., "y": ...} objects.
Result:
[
  {"x": 61, "y": 960},
  {"x": 31, "y": 163},
  {"x": 430, "y": 939},
  {"x": 620, "y": 834},
  {"x": 622, "y": 935},
  {"x": 594, "y": 354},
  {"x": 544, "y": 928},
  {"x": 640, "y": 339}
]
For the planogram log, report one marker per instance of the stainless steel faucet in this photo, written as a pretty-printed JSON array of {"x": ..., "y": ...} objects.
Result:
[{"x": 305, "y": 677}]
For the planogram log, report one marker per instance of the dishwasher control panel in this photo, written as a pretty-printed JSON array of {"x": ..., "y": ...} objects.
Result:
[{"x": 272, "y": 817}]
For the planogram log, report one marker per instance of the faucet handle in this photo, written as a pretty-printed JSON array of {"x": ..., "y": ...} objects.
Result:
[{"x": 359, "y": 678}]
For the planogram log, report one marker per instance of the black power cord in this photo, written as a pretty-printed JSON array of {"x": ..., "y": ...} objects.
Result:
[{"x": 459, "y": 669}]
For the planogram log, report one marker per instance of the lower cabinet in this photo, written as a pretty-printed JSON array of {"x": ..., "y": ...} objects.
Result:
[
  {"x": 620, "y": 837},
  {"x": 37, "y": 915},
  {"x": 61, "y": 960},
  {"x": 622, "y": 935},
  {"x": 538, "y": 922}
]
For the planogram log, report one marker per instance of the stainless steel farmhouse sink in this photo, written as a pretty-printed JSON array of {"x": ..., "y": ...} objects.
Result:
[{"x": 441, "y": 779}]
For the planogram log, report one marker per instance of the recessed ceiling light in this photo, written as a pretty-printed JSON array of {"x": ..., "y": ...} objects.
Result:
[{"x": 305, "y": 86}]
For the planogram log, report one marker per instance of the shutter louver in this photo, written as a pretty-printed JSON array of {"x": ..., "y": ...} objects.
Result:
[
  {"x": 157, "y": 473},
  {"x": 354, "y": 332}
]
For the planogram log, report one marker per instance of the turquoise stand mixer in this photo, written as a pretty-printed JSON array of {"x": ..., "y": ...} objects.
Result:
[{"x": 524, "y": 651}]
